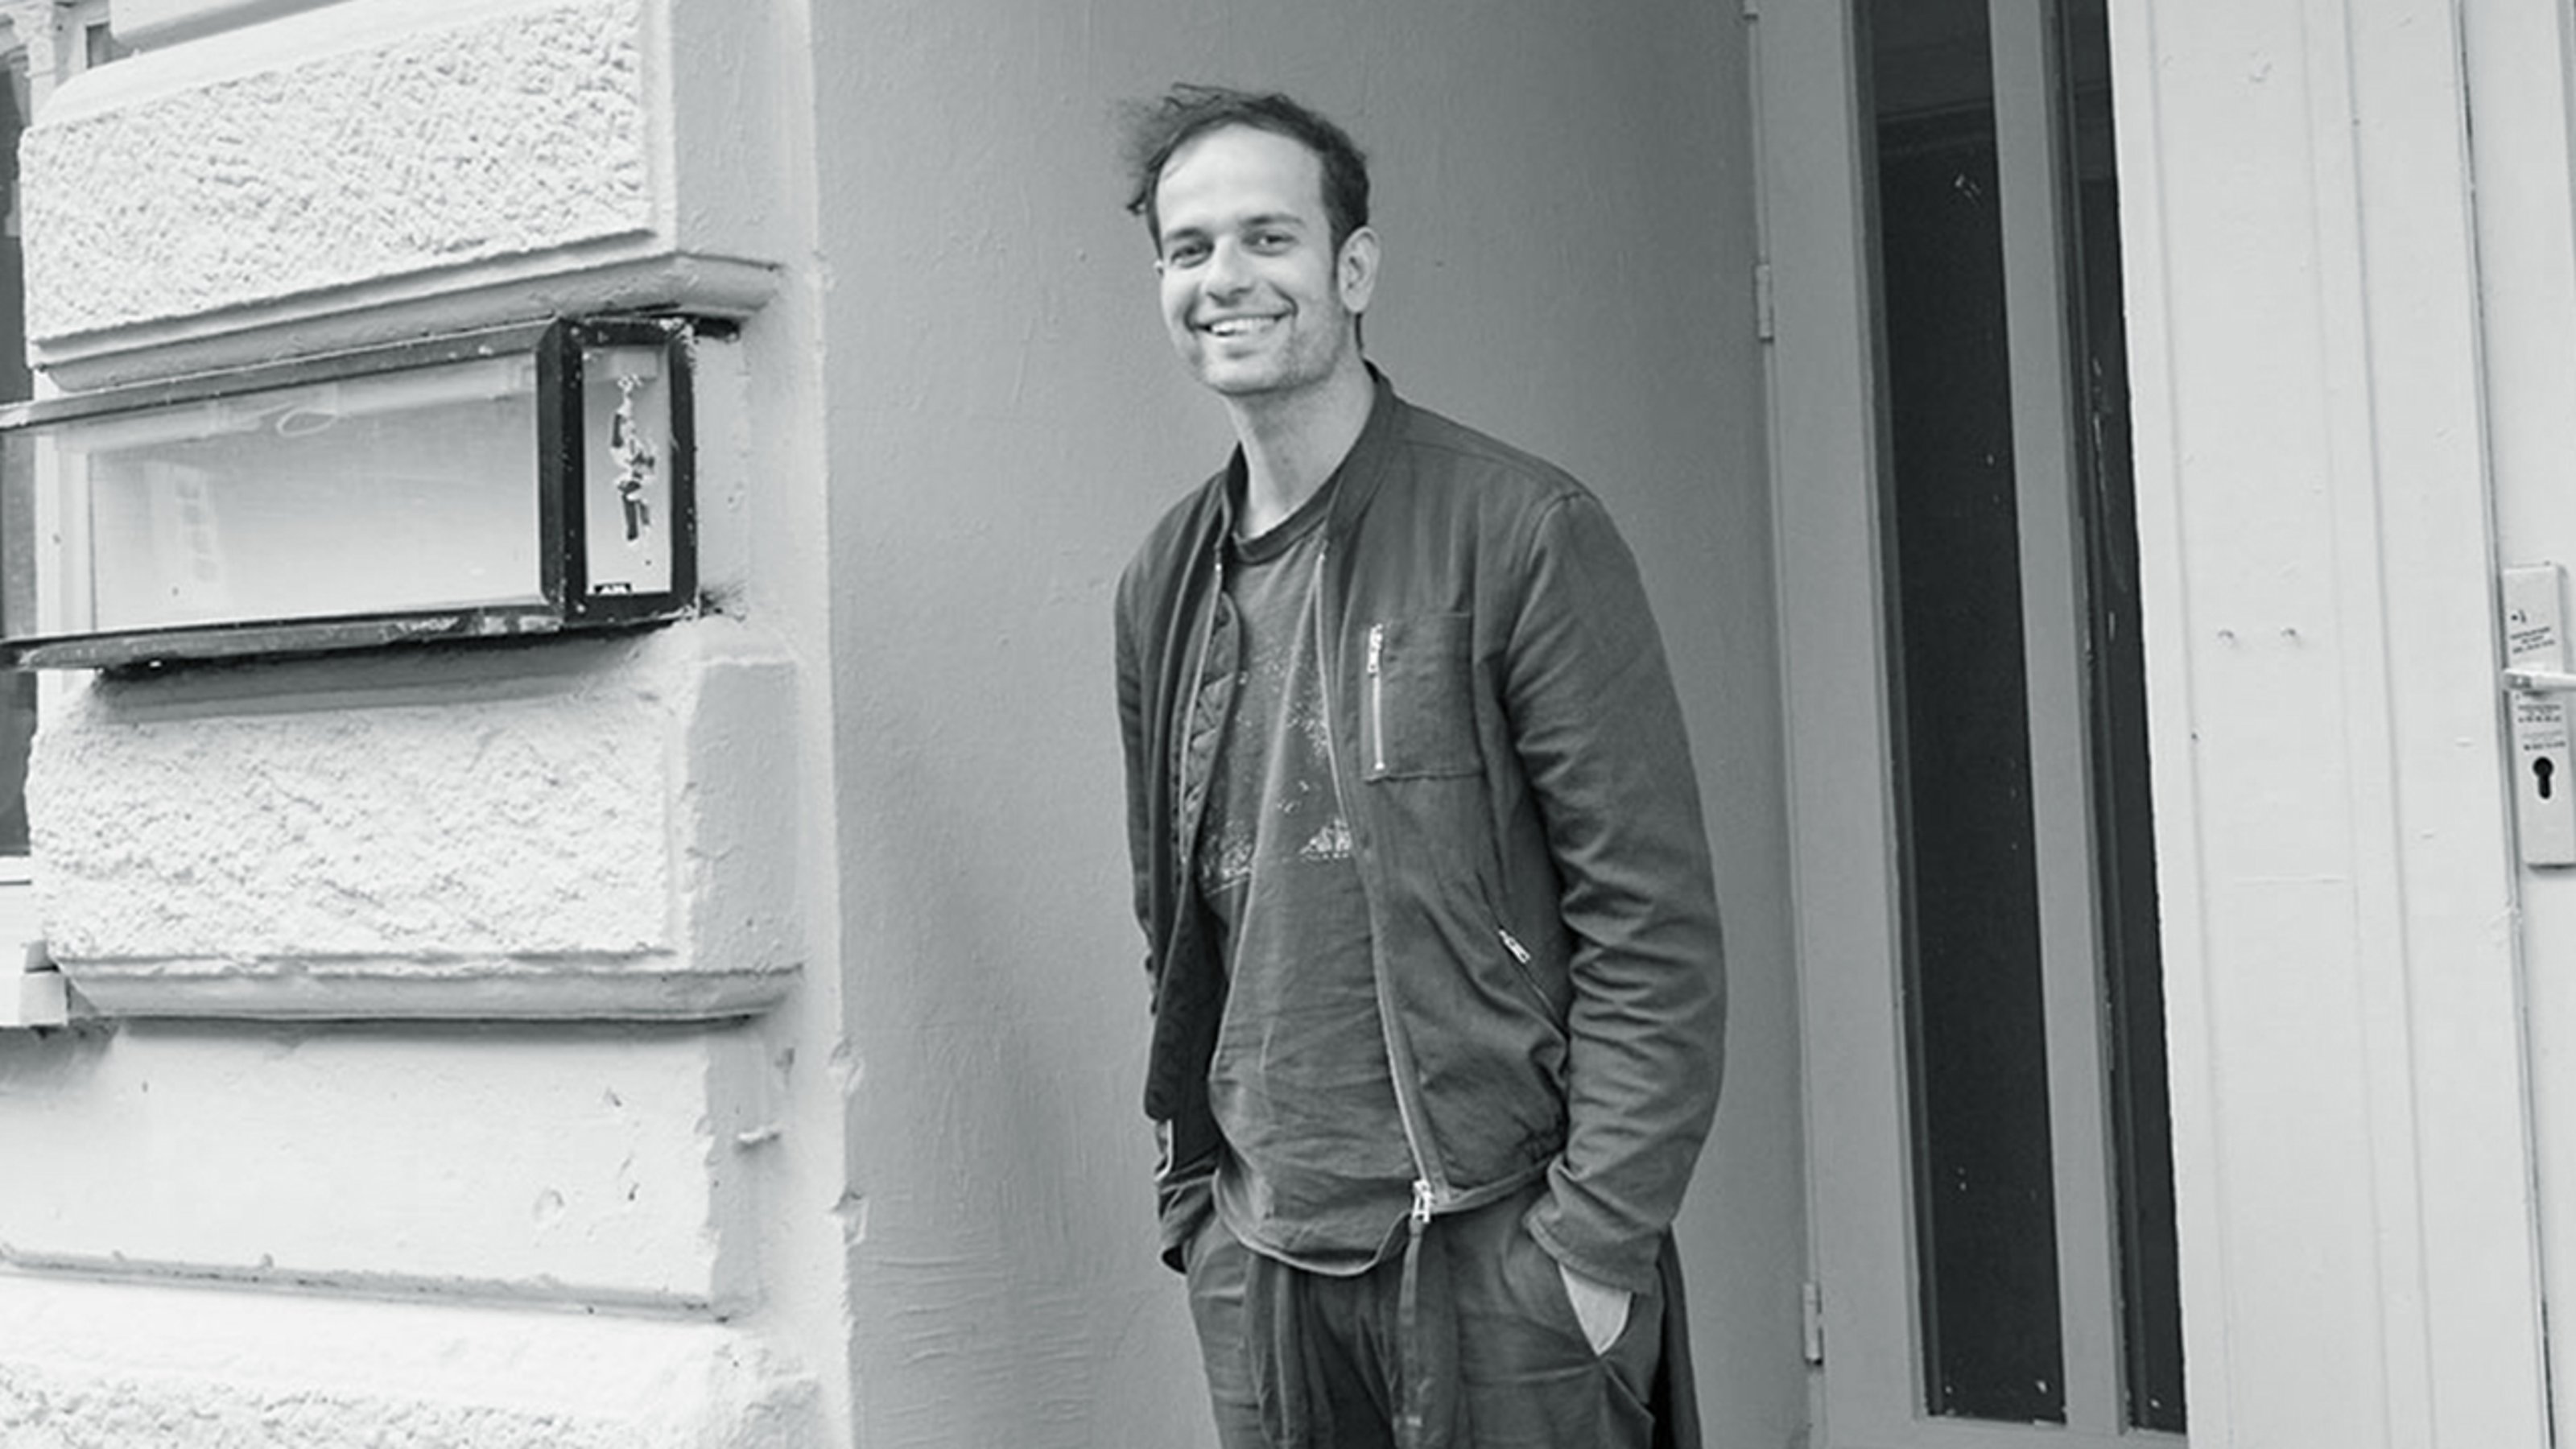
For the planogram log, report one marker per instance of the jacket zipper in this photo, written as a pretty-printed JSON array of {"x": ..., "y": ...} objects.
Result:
[
  {"x": 1185, "y": 829},
  {"x": 1377, "y": 699},
  {"x": 1426, "y": 1192},
  {"x": 1513, "y": 944}
]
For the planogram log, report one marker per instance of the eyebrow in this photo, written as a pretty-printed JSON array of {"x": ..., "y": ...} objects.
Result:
[{"x": 1267, "y": 218}]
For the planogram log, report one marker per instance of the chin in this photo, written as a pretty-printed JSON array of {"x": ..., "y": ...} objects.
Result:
[{"x": 1236, "y": 382}]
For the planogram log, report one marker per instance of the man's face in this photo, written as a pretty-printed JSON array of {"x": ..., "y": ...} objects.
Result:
[{"x": 1257, "y": 301}]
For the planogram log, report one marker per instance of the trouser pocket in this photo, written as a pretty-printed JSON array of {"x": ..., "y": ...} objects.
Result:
[{"x": 1531, "y": 1378}]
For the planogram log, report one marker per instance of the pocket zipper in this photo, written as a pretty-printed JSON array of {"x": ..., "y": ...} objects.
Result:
[{"x": 1377, "y": 698}]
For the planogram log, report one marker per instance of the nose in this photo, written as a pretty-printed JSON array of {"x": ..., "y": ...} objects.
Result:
[{"x": 1226, "y": 273}]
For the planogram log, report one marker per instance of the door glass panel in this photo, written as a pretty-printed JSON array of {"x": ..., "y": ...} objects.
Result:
[
  {"x": 1985, "y": 1198},
  {"x": 1992, "y": 1293}
]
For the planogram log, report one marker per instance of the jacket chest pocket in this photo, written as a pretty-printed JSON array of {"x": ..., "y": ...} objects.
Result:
[{"x": 1417, "y": 700}]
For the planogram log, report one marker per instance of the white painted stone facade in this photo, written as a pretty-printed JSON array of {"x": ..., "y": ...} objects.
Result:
[{"x": 443, "y": 1085}]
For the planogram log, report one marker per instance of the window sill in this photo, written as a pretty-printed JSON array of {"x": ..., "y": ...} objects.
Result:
[{"x": 600, "y": 989}]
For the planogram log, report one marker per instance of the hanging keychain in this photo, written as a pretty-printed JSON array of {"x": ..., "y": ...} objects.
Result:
[{"x": 635, "y": 458}]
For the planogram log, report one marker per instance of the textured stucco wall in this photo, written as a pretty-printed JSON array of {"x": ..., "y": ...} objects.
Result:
[
  {"x": 360, "y": 831},
  {"x": 326, "y": 176},
  {"x": 581, "y": 809},
  {"x": 1566, "y": 195},
  {"x": 506, "y": 134}
]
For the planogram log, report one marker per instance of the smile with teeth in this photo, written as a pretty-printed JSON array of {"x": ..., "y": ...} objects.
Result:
[{"x": 1239, "y": 326}]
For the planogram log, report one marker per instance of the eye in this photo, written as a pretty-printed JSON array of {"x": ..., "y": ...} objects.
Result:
[
  {"x": 1271, "y": 243},
  {"x": 1186, "y": 252}
]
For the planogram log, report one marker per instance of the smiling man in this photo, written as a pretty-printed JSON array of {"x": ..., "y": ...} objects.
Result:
[{"x": 1438, "y": 1001}]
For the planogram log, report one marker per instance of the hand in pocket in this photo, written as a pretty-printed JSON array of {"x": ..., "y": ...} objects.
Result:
[{"x": 1600, "y": 1308}]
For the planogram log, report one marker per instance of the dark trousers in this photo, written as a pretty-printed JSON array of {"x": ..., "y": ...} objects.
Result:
[{"x": 1480, "y": 1350}]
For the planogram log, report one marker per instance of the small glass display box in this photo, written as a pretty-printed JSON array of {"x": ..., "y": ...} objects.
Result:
[{"x": 521, "y": 481}]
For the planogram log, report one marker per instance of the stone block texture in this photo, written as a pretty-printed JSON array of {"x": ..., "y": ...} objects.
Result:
[
  {"x": 583, "y": 828},
  {"x": 503, "y": 134},
  {"x": 587, "y": 1167}
]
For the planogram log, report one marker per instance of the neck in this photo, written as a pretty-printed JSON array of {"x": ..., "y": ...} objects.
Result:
[{"x": 1292, "y": 443}]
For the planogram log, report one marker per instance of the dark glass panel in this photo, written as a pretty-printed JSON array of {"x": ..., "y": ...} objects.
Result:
[{"x": 1985, "y": 1197}]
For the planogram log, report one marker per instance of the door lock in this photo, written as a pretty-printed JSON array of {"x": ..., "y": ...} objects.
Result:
[{"x": 2535, "y": 645}]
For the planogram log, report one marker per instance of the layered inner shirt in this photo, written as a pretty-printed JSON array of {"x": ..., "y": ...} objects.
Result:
[{"x": 1316, "y": 1171}]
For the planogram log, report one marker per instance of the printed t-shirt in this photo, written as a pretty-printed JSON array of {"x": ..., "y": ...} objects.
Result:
[{"x": 1316, "y": 1171}]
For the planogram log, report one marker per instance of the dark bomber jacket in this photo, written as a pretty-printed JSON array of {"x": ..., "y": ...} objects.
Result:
[{"x": 1525, "y": 820}]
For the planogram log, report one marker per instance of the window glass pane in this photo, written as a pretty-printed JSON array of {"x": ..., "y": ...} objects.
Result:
[
  {"x": 1985, "y": 1196},
  {"x": 403, "y": 491}
]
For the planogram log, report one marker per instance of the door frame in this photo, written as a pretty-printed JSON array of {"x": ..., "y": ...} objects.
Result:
[{"x": 1846, "y": 871}]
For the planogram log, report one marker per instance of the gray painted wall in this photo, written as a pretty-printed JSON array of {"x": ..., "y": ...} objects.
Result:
[{"x": 1566, "y": 194}]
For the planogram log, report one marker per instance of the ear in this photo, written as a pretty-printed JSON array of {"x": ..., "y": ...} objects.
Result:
[{"x": 1355, "y": 271}]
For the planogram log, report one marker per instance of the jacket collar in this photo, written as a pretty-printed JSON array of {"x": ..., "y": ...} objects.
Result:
[{"x": 1354, "y": 481}]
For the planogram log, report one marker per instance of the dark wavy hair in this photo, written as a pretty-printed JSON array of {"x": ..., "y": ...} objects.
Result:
[{"x": 1159, "y": 127}]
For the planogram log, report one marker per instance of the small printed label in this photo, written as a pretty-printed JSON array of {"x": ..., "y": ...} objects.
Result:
[{"x": 2544, "y": 794}]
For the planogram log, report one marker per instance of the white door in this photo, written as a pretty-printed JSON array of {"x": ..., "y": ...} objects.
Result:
[{"x": 2517, "y": 66}]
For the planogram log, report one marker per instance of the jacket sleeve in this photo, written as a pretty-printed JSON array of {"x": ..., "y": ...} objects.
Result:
[
  {"x": 1600, "y": 738},
  {"x": 1131, "y": 732},
  {"x": 1182, "y": 1195}
]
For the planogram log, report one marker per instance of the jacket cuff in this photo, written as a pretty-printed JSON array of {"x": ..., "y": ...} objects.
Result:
[
  {"x": 1184, "y": 1207},
  {"x": 1626, "y": 1265}
]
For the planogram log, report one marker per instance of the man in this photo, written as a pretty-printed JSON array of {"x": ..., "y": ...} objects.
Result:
[{"x": 1438, "y": 1005}]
